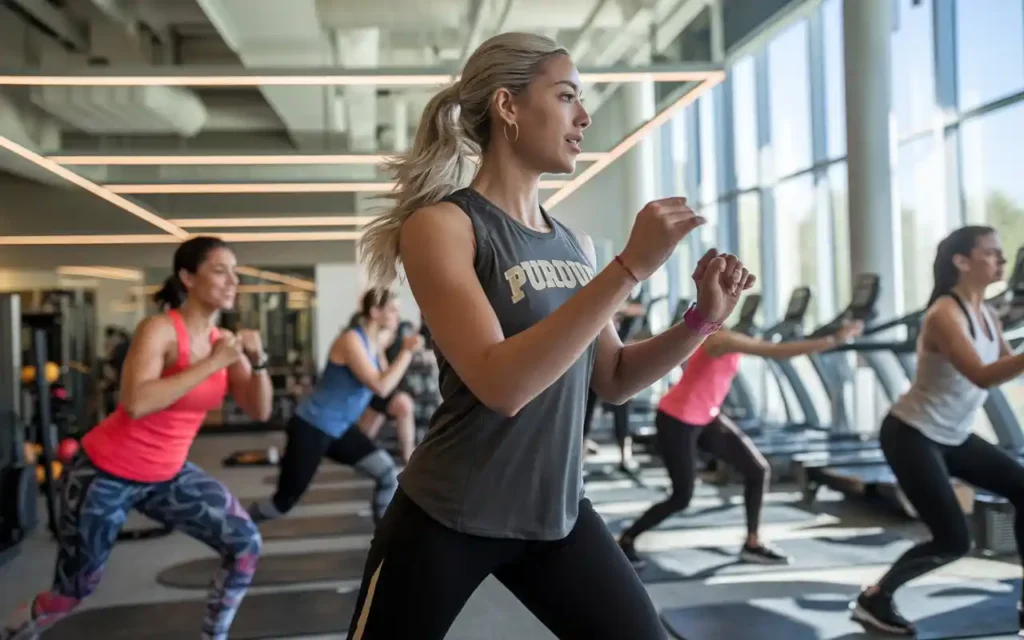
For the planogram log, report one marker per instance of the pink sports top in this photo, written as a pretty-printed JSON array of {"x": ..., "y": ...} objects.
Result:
[
  {"x": 697, "y": 398},
  {"x": 154, "y": 448}
]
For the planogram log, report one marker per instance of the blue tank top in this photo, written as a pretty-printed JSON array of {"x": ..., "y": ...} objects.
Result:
[{"x": 339, "y": 397}]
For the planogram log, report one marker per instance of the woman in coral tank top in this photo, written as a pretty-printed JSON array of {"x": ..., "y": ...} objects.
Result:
[
  {"x": 180, "y": 366},
  {"x": 689, "y": 419}
]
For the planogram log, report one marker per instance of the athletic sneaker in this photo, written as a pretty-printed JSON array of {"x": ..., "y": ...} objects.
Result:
[
  {"x": 631, "y": 554},
  {"x": 20, "y": 626},
  {"x": 879, "y": 612},
  {"x": 763, "y": 554}
]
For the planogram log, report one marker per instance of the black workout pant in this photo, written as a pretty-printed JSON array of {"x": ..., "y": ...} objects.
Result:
[
  {"x": 308, "y": 445},
  {"x": 923, "y": 469},
  {"x": 419, "y": 575},
  {"x": 620, "y": 418},
  {"x": 679, "y": 442}
]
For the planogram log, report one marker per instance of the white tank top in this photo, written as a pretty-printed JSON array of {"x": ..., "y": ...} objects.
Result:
[{"x": 942, "y": 402}]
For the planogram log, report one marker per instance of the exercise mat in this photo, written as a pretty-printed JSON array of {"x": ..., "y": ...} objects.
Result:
[
  {"x": 699, "y": 563},
  {"x": 326, "y": 495},
  {"x": 273, "y": 570},
  {"x": 975, "y": 609},
  {"x": 272, "y": 615},
  {"x": 326, "y": 476},
  {"x": 327, "y": 526}
]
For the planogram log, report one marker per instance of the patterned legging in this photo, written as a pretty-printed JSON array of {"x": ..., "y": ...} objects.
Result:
[{"x": 94, "y": 508}]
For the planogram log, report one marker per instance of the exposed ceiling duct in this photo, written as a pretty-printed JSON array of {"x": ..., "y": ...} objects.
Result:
[{"x": 114, "y": 110}]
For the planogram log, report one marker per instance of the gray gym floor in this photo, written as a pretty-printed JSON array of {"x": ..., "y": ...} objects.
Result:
[{"x": 492, "y": 613}]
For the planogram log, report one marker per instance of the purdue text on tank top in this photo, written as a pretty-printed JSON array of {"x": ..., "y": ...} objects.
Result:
[
  {"x": 481, "y": 473},
  {"x": 697, "y": 398},
  {"x": 339, "y": 397},
  {"x": 942, "y": 402},
  {"x": 154, "y": 448}
]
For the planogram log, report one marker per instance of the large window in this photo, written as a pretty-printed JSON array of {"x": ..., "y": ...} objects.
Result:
[
  {"x": 796, "y": 241},
  {"x": 989, "y": 50},
  {"x": 835, "y": 79},
  {"x": 789, "y": 94},
  {"x": 840, "y": 210},
  {"x": 749, "y": 205},
  {"x": 993, "y": 189},
  {"x": 913, "y": 66},
  {"x": 922, "y": 216},
  {"x": 744, "y": 122},
  {"x": 708, "y": 157}
]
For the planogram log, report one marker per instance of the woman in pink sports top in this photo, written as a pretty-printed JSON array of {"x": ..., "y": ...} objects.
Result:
[
  {"x": 689, "y": 420},
  {"x": 179, "y": 367}
]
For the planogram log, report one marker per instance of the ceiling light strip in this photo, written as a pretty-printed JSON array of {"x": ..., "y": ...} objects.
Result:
[
  {"x": 633, "y": 139},
  {"x": 97, "y": 190},
  {"x": 280, "y": 236},
  {"x": 269, "y": 187},
  {"x": 281, "y": 221},
  {"x": 93, "y": 77},
  {"x": 307, "y": 285},
  {"x": 243, "y": 160}
]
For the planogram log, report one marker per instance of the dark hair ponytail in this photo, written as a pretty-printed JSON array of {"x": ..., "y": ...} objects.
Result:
[
  {"x": 187, "y": 257},
  {"x": 374, "y": 299},
  {"x": 172, "y": 295},
  {"x": 959, "y": 243}
]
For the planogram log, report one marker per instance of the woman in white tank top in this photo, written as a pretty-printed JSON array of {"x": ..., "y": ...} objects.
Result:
[{"x": 927, "y": 435}]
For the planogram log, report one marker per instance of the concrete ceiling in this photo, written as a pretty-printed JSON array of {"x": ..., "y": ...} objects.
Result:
[{"x": 164, "y": 35}]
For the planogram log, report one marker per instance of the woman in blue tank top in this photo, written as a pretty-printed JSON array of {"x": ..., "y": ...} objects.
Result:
[
  {"x": 927, "y": 435},
  {"x": 322, "y": 424}
]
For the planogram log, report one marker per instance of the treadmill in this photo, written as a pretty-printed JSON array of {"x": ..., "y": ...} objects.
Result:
[
  {"x": 867, "y": 477},
  {"x": 829, "y": 375}
]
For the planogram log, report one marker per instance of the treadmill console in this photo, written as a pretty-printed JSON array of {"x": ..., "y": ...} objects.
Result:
[
  {"x": 1016, "y": 283},
  {"x": 750, "y": 306},
  {"x": 798, "y": 304},
  {"x": 865, "y": 297},
  {"x": 681, "y": 308}
]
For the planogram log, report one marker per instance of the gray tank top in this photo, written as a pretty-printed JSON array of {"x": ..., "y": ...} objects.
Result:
[
  {"x": 476, "y": 471},
  {"x": 942, "y": 402}
]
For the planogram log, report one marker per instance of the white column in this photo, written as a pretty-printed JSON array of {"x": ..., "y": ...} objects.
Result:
[
  {"x": 338, "y": 287},
  {"x": 875, "y": 241},
  {"x": 640, "y": 163},
  {"x": 401, "y": 123}
]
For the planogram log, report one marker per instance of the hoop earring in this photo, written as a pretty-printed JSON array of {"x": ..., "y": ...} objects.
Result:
[{"x": 505, "y": 131}]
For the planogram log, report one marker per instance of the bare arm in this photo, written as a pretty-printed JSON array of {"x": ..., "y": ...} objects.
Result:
[
  {"x": 1005, "y": 350},
  {"x": 620, "y": 371},
  {"x": 348, "y": 349},
  {"x": 437, "y": 249},
  {"x": 944, "y": 331},
  {"x": 143, "y": 391},
  {"x": 726, "y": 341},
  {"x": 251, "y": 390}
]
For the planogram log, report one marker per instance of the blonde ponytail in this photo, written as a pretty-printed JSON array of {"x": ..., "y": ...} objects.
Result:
[
  {"x": 432, "y": 169},
  {"x": 455, "y": 126}
]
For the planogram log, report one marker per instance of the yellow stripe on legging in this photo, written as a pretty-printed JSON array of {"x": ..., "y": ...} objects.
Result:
[{"x": 365, "y": 613}]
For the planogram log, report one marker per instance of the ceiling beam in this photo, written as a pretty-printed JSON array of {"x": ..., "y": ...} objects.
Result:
[{"x": 202, "y": 76}]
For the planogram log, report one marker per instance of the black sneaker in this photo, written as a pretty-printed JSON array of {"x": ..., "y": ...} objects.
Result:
[
  {"x": 879, "y": 612},
  {"x": 631, "y": 554},
  {"x": 763, "y": 554}
]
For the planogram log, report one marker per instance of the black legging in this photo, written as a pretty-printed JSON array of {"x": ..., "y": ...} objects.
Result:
[
  {"x": 306, "y": 447},
  {"x": 679, "y": 442},
  {"x": 419, "y": 575},
  {"x": 923, "y": 469},
  {"x": 620, "y": 418}
]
